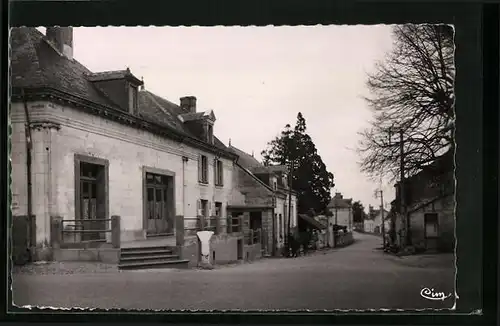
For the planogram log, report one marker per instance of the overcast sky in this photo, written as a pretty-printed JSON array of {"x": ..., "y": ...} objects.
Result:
[{"x": 256, "y": 79}]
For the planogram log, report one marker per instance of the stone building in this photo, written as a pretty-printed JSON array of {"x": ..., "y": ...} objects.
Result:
[
  {"x": 430, "y": 205},
  {"x": 341, "y": 208},
  {"x": 268, "y": 197},
  {"x": 87, "y": 146}
]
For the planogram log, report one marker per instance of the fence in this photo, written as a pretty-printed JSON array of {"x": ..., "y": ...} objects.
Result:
[
  {"x": 22, "y": 239},
  {"x": 79, "y": 233},
  {"x": 201, "y": 223}
]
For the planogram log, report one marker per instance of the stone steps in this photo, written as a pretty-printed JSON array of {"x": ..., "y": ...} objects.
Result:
[{"x": 150, "y": 257}]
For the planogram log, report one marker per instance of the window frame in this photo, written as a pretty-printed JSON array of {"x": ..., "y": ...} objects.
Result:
[
  {"x": 218, "y": 173},
  {"x": 203, "y": 169}
]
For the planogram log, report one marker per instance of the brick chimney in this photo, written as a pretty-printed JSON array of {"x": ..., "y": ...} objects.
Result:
[
  {"x": 188, "y": 103},
  {"x": 62, "y": 39}
]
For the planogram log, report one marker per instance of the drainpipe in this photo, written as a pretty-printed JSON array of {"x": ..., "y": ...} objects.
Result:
[
  {"x": 184, "y": 161},
  {"x": 29, "y": 146}
]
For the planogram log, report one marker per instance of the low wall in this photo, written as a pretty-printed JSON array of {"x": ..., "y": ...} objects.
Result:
[
  {"x": 103, "y": 255},
  {"x": 252, "y": 252},
  {"x": 223, "y": 250},
  {"x": 343, "y": 239},
  {"x": 191, "y": 251}
]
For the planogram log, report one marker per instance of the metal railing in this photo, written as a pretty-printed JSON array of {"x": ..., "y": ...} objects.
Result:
[
  {"x": 85, "y": 232},
  {"x": 253, "y": 236},
  {"x": 201, "y": 223}
]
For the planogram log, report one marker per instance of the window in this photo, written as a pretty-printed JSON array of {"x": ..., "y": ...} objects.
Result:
[
  {"x": 202, "y": 214},
  {"x": 210, "y": 134},
  {"x": 431, "y": 225},
  {"x": 203, "y": 169},
  {"x": 218, "y": 209},
  {"x": 132, "y": 95},
  {"x": 218, "y": 173},
  {"x": 275, "y": 185}
]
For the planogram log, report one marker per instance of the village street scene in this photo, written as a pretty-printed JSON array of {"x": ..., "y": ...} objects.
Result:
[{"x": 226, "y": 169}]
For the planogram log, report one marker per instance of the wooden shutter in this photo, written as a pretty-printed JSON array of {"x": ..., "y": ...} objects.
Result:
[
  {"x": 215, "y": 172},
  {"x": 221, "y": 172},
  {"x": 200, "y": 168}
]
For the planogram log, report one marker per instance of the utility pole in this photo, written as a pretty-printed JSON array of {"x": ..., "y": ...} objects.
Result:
[
  {"x": 402, "y": 189},
  {"x": 289, "y": 204},
  {"x": 380, "y": 193}
]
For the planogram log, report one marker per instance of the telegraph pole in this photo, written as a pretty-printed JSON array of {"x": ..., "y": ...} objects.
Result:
[
  {"x": 402, "y": 188},
  {"x": 380, "y": 193},
  {"x": 289, "y": 204}
]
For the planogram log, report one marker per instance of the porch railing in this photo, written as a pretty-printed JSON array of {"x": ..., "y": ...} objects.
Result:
[
  {"x": 201, "y": 223},
  {"x": 84, "y": 232},
  {"x": 253, "y": 236}
]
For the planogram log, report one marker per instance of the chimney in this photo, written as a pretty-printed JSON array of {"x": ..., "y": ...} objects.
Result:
[
  {"x": 62, "y": 39},
  {"x": 338, "y": 195},
  {"x": 188, "y": 103}
]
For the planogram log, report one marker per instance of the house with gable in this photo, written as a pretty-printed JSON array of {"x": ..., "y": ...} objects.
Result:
[
  {"x": 268, "y": 197},
  {"x": 342, "y": 211},
  {"x": 430, "y": 205},
  {"x": 373, "y": 222},
  {"x": 105, "y": 169}
]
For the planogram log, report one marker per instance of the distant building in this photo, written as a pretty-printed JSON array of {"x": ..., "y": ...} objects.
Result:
[
  {"x": 373, "y": 222},
  {"x": 341, "y": 208}
]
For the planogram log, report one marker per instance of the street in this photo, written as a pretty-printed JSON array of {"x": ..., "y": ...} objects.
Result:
[{"x": 355, "y": 277}]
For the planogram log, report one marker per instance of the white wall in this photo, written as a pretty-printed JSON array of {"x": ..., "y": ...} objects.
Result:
[{"x": 127, "y": 149}]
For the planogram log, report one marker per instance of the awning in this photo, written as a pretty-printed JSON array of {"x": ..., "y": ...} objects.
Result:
[{"x": 312, "y": 222}]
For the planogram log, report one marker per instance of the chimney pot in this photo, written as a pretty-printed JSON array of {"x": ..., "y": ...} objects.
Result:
[
  {"x": 62, "y": 39},
  {"x": 188, "y": 103}
]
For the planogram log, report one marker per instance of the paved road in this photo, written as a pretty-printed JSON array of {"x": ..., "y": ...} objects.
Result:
[{"x": 355, "y": 277}]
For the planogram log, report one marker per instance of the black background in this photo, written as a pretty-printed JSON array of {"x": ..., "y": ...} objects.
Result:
[{"x": 477, "y": 93}]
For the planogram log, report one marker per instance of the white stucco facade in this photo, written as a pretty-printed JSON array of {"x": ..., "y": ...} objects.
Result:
[{"x": 64, "y": 131}]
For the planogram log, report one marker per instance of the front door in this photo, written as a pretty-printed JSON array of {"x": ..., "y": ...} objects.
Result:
[
  {"x": 92, "y": 199},
  {"x": 158, "y": 214}
]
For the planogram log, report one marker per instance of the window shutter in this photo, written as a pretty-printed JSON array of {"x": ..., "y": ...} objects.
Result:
[
  {"x": 200, "y": 169},
  {"x": 221, "y": 173},
  {"x": 215, "y": 172}
]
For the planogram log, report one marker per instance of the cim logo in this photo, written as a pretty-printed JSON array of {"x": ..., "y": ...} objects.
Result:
[{"x": 429, "y": 294}]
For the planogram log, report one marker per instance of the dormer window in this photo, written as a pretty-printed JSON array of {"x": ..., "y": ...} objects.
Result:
[
  {"x": 133, "y": 103},
  {"x": 210, "y": 134}
]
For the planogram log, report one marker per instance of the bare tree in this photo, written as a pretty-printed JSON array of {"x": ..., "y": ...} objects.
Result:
[{"x": 411, "y": 91}]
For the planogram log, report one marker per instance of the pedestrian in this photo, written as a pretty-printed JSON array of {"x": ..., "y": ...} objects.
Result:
[{"x": 294, "y": 245}]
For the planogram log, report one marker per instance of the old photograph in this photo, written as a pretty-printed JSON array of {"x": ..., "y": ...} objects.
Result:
[{"x": 233, "y": 168}]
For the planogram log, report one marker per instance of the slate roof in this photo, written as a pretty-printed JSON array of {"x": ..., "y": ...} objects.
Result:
[
  {"x": 246, "y": 160},
  {"x": 36, "y": 64},
  {"x": 340, "y": 203}
]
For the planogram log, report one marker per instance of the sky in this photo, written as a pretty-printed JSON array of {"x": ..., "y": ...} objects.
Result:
[{"x": 256, "y": 79}]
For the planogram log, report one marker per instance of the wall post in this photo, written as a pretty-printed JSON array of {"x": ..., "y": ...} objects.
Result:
[{"x": 115, "y": 231}]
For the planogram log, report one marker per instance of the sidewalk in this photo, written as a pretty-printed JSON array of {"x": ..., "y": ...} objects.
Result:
[{"x": 425, "y": 260}]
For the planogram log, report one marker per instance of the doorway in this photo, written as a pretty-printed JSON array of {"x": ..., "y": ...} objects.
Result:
[
  {"x": 91, "y": 200},
  {"x": 158, "y": 212},
  {"x": 240, "y": 249}
]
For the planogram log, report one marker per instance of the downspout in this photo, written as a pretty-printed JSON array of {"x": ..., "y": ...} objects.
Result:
[{"x": 29, "y": 146}]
